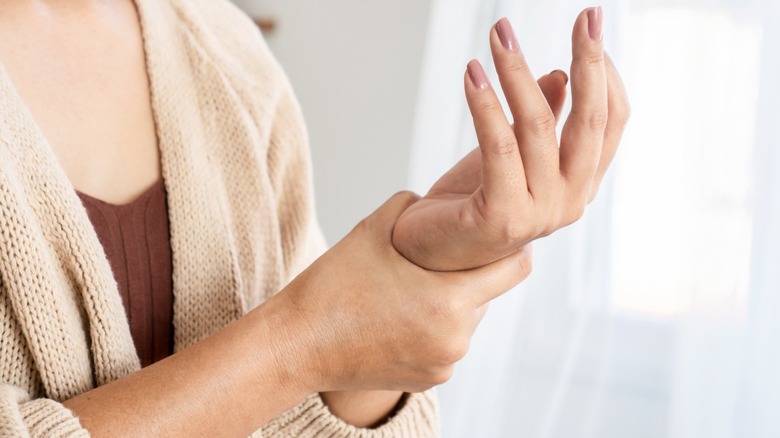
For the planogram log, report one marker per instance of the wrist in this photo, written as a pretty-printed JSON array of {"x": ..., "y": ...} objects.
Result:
[{"x": 292, "y": 344}]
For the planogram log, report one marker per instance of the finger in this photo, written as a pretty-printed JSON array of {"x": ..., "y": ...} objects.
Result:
[
  {"x": 583, "y": 132},
  {"x": 503, "y": 179},
  {"x": 501, "y": 276},
  {"x": 466, "y": 176},
  {"x": 619, "y": 113},
  {"x": 553, "y": 86},
  {"x": 534, "y": 120}
]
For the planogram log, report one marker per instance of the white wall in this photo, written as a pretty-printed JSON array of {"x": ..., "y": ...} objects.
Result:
[{"x": 355, "y": 68}]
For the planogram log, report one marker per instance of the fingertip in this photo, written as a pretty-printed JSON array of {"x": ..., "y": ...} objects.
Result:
[
  {"x": 561, "y": 75},
  {"x": 595, "y": 23},
  {"x": 588, "y": 27},
  {"x": 477, "y": 75}
]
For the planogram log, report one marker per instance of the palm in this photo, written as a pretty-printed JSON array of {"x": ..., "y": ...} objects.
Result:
[
  {"x": 456, "y": 192},
  {"x": 448, "y": 209}
]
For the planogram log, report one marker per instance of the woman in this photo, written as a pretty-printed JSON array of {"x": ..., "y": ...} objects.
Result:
[{"x": 155, "y": 201}]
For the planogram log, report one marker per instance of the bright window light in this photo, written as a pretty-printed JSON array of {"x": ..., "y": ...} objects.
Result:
[{"x": 682, "y": 214}]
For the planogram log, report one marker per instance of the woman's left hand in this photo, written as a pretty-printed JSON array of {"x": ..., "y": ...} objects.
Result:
[{"x": 522, "y": 185}]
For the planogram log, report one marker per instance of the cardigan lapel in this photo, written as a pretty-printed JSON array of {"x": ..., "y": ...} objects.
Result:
[
  {"x": 54, "y": 271},
  {"x": 206, "y": 281},
  {"x": 72, "y": 315}
]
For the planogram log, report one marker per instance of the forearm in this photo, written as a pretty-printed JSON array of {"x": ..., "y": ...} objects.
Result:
[{"x": 227, "y": 385}]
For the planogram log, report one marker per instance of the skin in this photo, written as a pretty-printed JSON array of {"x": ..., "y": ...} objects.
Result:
[
  {"x": 522, "y": 183},
  {"x": 303, "y": 341},
  {"x": 360, "y": 326},
  {"x": 106, "y": 140},
  {"x": 367, "y": 408}
]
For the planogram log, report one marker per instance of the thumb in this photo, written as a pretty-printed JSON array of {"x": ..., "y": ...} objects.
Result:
[{"x": 383, "y": 219}]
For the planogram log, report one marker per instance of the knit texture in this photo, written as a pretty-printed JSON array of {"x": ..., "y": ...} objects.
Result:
[{"x": 235, "y": 161}]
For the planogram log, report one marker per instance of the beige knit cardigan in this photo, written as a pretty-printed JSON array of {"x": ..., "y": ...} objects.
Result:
[{"x": 235, "y": 162}]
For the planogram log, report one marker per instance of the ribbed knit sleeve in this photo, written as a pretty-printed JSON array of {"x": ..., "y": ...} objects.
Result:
[
  {"x": 417, "y": 418},
  {"x": 22, "y": 417}
]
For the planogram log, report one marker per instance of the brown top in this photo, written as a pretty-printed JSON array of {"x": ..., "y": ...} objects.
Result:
[{"x": 135, "y": 237}]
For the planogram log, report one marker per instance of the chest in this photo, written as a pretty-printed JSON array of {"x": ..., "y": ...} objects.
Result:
[{"x": 83, "y": 78}]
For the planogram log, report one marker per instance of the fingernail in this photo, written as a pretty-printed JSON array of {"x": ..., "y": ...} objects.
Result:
[
  {"x": 477, "y": 74},
  {"x": 594, "y": 23},
  {"x": 565, "y": 76},
  {"x": 506, "y": 34}
]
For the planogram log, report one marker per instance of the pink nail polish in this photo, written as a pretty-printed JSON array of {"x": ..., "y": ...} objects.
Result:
[
  {"x": 594, "y": 23},
  {"x": 506, "y": 34},
  {"x": 477, "y": 74}
]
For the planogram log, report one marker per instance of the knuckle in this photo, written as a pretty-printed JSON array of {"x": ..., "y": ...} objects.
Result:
[
  {"x": 505, "y": 229},
  {"x": 541, "y": 123},
  {"x": 526, "y": 264},
  {"x": 452, "y": 351},
  {"x": 597, "y": 120},
  {"x": 516, "y": 65},
  {"x": 594, "y": 121},
  {"x": 592, "y": 61},
  {"x": 552, "y": 222},
  {"x": 573, "y": 211},
  {"x": 489, "y": 106},
  {"x": 576, "y": 212},
  {"x": 513, "y": 231},
  {"x": 440, "y": 376},
  {"x": 547, "y": 229},
  {"x": 448, "y": 309},
  {"x": 505, "y": 145},
  {"x": 623, "y": 113}
]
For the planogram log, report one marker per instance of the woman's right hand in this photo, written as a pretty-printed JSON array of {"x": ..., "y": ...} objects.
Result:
[{"x": 374, "y": 320}]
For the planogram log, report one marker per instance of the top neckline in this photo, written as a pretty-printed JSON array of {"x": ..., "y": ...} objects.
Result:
[{"x": 159, "y": 184}]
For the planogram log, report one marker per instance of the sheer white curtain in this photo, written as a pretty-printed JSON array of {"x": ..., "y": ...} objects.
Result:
[{"x": 658, "y": 314}]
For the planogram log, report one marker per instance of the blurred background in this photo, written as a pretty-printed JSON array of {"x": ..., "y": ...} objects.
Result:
[{"x": 658, "y": 314}]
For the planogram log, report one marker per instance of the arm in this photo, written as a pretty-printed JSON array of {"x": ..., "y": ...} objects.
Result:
[
  {"x": 334, "y": 328},
  {"x": 370, "y": 408},
  {"x": 290, "y": 172},
  {"x": 464, "y": 221},
  {"x": 227, "y": 385}
]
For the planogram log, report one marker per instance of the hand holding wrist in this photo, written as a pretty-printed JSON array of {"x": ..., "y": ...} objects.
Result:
[{"x": 369, "y": 319}]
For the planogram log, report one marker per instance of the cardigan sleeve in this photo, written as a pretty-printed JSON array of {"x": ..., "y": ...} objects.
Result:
[
  {"x": 21, "y": 416},
  {"x": 417, "y": 418}
]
